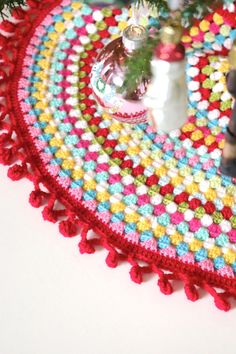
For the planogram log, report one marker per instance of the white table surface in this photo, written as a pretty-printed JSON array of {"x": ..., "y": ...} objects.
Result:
[{"x": 55, "y": 301}]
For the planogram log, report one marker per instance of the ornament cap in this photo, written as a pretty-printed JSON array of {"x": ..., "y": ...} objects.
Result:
[
  {"x": 232, "y": 56},
  {"x": 133, "y": 37},
  {"x": 171, "y": 33},
  {"x": 170, "y": 52}
]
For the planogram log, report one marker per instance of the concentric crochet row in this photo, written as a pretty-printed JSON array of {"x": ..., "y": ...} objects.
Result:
[{"x": 162, "y": 192}]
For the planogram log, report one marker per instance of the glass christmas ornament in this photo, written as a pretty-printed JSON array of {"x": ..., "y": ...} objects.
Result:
[
  {"x": 166, "y": 96},
  {"x": 108, "y": 74}
]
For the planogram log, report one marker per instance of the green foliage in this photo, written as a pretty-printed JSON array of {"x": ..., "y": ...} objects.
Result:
[
  {"x": 9, "y": 5},
  {"x": 138, "y": 66},
  {"x": 192, "y": 9},
  {"x": 159, "y": 5}
]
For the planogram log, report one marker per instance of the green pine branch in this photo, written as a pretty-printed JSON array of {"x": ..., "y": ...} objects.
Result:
[
  {"x": 192, "y": 9},
  {"x": 138, "y": 68}
]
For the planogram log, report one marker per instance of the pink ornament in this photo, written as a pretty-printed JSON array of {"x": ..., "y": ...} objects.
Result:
[{"x": 108, "y": 74}]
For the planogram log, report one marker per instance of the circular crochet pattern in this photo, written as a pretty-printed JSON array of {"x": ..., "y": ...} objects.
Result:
[{"x": 158, "y": 202}]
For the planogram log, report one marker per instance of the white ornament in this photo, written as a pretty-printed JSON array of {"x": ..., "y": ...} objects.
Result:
[{"x": 166, "y": 96}]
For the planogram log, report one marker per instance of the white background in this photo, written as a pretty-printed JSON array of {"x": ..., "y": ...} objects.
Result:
[{"x": 55, "y": 301}]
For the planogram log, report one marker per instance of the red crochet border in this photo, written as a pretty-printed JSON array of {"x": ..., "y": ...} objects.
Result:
[{"x": 16, "y": 145}]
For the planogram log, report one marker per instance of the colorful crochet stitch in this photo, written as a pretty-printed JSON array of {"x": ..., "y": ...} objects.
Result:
[{"x": 156, "y": 201}]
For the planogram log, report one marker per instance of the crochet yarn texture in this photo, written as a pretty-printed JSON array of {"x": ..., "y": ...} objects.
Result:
[{"x": 155, "y": 201}]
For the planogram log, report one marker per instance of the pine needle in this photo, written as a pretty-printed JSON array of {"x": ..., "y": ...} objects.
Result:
[
  {"x": 139, "y": 66},
  {"x": 9, "y": 5}
]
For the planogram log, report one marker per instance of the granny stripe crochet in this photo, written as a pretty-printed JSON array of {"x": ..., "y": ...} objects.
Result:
[{"x": 149, "y": 197}]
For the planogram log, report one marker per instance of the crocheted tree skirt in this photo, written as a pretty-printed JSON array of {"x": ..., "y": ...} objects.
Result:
[{"x": 155, "y": 201}]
